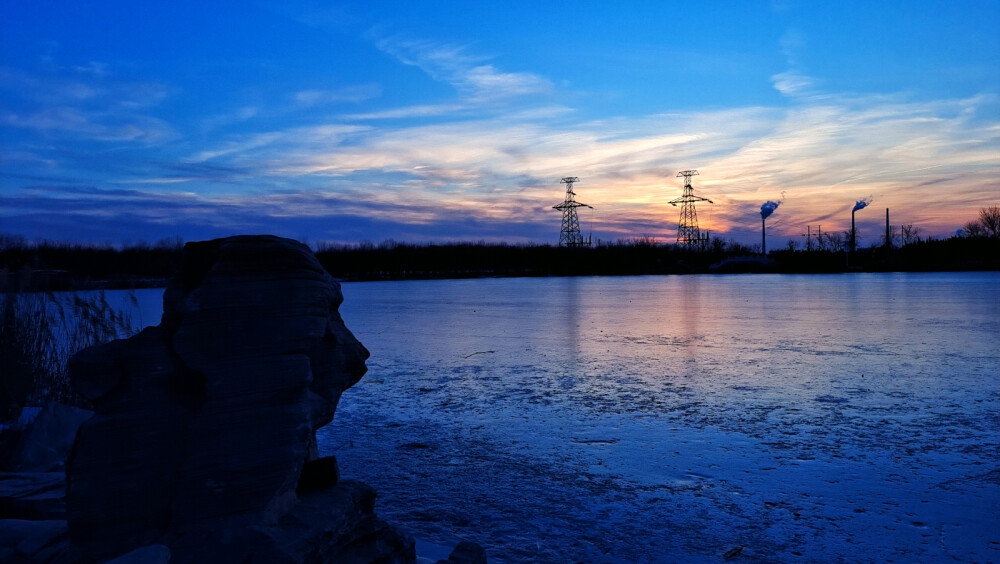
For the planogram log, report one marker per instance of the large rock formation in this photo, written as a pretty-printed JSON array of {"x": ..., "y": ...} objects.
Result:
[{"x": 203, "y": 438}]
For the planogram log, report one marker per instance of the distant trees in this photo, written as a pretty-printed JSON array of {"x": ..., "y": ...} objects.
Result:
[
  {"x": 988, "y": 224},
  {"x": 834, "y": 241},
  {"x": 910, "y": 234},
  {"x": 49, "y": 265},
  {"x": 974, "y": 229},
  {"x": 990, "y": 218},
  {"x": 635, "y": 241},
  {"x": 46, "y": 265},
  {"x": 890, "y": 239}
]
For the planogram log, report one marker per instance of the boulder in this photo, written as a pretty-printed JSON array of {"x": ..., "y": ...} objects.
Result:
[
  {"x": 152, "y": 554},
  {"x": 204, "y": 424},
  {"x": 465, "y": 552},
  {"x": 48, "y": 439},
  {"x": 332, "y": 525},
  {"x": 33, "y": 495},
  {"x": 27, "y": 541}
]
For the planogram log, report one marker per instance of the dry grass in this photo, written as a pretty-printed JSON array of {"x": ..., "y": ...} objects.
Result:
[{"x": 39, "y": 332}]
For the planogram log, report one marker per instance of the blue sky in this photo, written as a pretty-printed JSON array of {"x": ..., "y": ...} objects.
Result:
[{"x": 444, "y": 121}]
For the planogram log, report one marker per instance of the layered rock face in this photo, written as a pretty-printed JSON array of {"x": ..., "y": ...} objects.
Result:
[{"x": 203, "y": 438}]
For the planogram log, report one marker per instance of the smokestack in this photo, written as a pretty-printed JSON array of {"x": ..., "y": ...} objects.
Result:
[
  {"x": 766, "y": 209},
  {"x": 859, "y": 205},
  {"x": 852, "y": 228},
  {"x": 888, "y": 235}
]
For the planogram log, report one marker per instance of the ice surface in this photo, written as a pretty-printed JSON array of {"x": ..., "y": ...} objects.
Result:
[
  {"x": 803, "y": 418},
  {"x": 842, "y": 418}
]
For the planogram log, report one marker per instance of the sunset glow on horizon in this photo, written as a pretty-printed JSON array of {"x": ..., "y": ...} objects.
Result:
[{"x": 455, "y": 121}]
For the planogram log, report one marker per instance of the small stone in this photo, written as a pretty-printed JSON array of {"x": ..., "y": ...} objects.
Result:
[
  {"x": 152, "y": 554},
  {"x": 466, "y": 553},
  {"x": 318, "y": 474},
  {"x": 732, "y": 552}
]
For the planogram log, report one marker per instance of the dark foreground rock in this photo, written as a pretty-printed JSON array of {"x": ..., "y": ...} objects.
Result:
[
  {"x": 202, "y": 442},
  {"x": 27, "y": 541},
  {"x": 32, "y": 495},
  {"x": 466, "y": 552},
  {"x": 49, "y": 439}
]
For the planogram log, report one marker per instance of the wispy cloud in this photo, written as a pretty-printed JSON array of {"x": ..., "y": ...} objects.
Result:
[
  {"x": 408, "y": 112},
  {"x": 349, "y": 94},
  {"x": 240, "y": 114},
  {"x": 94, "y": 68},
  {"x": 489, "y": 160},
  {"x": 330, "y": 215},
  {"x": 302, "y": 138},
  {"x": 485, "y": 82},
  {"x": 791, "y": 83},
  {"x": 849, "y": 146},
  {"x": 823, "y": 144},
  {"x": 43, "y": 89},
  {"x": 477, "y": 80},
  {"x": 97, "y": 126},
  {"x": 91, "y": 86},
  {"x": 794, "y": 81},
  {"x": 87, "y": 104}
]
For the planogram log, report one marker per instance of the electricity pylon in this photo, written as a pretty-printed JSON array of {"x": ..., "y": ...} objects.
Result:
[
  {"x": 569, "y": 234},
  {"x": 687, "y": 227}
]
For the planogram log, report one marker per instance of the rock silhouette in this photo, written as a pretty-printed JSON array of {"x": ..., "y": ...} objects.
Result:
[{"x": 203, "y": 437}]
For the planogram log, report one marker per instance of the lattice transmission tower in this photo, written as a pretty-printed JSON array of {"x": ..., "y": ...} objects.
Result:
[
  {"x": 569, "y": 234},
  {"x": 687, "y": 227}
]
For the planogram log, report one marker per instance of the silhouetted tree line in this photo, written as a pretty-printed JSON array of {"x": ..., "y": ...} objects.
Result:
[
  {"x": 920, "y": 255},
  {"x": 51, "y": 265},
  {"x": 62, "y": 266},
  {"x": 987, "y": 225},
  {"x": 396, "y": 261}
]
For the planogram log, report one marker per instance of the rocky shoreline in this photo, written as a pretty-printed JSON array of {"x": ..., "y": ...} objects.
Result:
[{"x": 200, "y": 444}]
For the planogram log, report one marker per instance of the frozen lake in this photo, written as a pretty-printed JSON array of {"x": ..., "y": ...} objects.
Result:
[{"x": 835, "y": 418}]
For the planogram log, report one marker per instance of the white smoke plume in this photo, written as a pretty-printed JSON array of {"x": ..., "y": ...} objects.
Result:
[{"x": 769, "y": 206}]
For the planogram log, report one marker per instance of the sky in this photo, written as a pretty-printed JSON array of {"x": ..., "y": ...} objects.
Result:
[{"x": 438, "y": 121}]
